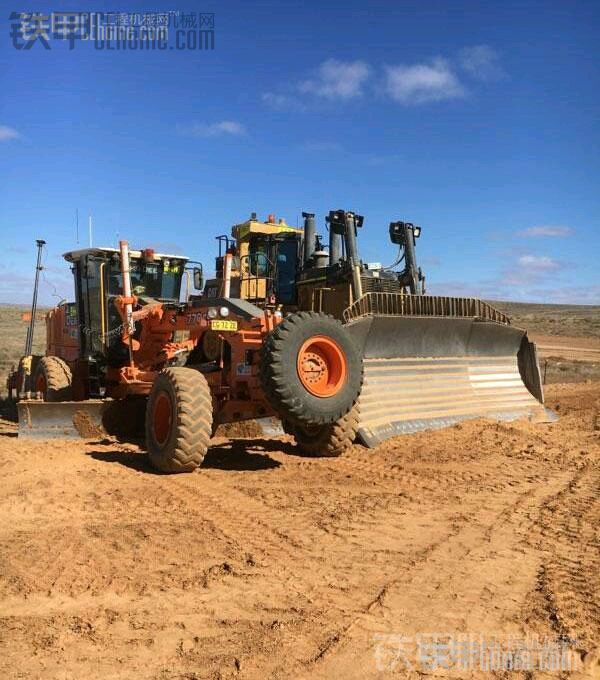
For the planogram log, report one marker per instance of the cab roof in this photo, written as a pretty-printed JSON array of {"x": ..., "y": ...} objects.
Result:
[{"x": 101, "y": 251}]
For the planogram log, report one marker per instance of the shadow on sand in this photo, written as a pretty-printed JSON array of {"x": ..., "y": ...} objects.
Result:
[{"x": 237, "y": 454}]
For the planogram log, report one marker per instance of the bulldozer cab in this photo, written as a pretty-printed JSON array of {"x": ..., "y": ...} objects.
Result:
[
  {"x": 270, "y": 268},
  {"x": 260, "y": 261}
]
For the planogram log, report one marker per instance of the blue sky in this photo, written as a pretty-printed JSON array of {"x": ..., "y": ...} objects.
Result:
[{"x": 479, "y": 121}]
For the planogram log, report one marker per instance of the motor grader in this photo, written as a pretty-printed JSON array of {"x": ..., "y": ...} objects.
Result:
[
  {"x": 128, "y": 339},
  {"x": 332, "y": 345},
  {"x": 429, "y": 360}
]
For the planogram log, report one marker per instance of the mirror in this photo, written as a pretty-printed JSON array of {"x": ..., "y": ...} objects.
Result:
[{"x": 198, "y": 278}]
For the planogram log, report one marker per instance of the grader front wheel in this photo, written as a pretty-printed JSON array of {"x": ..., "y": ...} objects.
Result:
[{"x": 178, "y": 420}]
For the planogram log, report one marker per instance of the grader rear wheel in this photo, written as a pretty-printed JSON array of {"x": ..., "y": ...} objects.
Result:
[
  {"x": 52, "y": 378},
  {"x": 178, "y": 420}
]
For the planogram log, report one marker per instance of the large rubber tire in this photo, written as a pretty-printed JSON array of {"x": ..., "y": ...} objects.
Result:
[
  {"x": 178, "y": 420},
  {"x": 53, "y": 378},
  {"x": 326, "y": 441},
  {"x": 280, "y": 376}
]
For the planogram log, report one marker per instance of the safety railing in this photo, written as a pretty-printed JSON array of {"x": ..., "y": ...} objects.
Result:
[{"x": 400, "y": 304}]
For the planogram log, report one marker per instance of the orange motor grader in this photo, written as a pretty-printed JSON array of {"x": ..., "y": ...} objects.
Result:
[{"x": 129, "y": 340}]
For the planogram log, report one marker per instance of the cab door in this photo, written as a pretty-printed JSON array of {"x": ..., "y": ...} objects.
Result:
[{"x": 286, "y": 269}]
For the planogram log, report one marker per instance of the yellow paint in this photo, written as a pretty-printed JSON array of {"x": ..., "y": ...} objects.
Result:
[{"x": 246, "y": 229}]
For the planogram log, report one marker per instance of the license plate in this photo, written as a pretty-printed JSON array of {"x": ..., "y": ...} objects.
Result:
[{"x": 220, "y": 325}]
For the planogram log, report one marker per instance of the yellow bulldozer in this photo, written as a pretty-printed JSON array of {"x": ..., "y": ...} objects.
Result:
[{"x": 429, "y": 360}]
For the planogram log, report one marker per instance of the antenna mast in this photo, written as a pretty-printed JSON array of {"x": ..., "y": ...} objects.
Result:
[{"x": 38, "y": 269}]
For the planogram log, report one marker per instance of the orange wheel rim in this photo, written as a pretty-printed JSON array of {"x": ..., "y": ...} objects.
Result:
[
  {"x": 40, "y": 385},
  {"x": 322, "y": 366},
  {"x": 161, "y": 418}
]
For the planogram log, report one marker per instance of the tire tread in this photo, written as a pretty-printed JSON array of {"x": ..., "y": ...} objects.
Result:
[{"x": 194, "y": 422}]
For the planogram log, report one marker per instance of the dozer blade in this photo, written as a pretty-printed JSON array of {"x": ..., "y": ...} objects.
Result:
[
  {"x": 61, "y": 420},
  {"x": 428, "y": 373}
]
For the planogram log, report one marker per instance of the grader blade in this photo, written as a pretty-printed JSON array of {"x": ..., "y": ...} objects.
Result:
[
  {"x": 62, "y": 420},
  {"x": 428, "y": 372}
]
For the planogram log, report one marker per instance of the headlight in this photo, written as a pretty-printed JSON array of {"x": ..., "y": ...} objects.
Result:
[
  {"x": 212, "y": 313},
  {"x": 224, "y": 311}
]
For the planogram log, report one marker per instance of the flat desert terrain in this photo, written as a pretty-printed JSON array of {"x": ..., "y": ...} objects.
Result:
[{"x": 408, "y": 560}]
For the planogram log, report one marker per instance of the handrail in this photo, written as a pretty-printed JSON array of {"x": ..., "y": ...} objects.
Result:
[{"x": 400, "y": 304}]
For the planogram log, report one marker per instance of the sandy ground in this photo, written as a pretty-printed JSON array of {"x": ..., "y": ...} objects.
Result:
[{"x": 268, "y": 564}]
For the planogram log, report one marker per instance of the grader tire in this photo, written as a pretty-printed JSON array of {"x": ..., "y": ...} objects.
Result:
[
  {"x": 326, "y": 441},
  {"x": 53, "y": 379},
  {"x": 310, "y": 369},
  {"x": 178, "y": 420}
]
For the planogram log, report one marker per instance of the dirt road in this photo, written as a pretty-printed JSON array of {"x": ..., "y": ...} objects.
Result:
[
  {"x": 268, "y": 564},
  {"x": 566, "y": 347}
]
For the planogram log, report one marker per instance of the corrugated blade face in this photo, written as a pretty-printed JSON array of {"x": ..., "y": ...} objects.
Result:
[
  {"x": 407, "y": 395},
  {"x": 425, "y": 374},
  {"x": 61, "y": 420}
]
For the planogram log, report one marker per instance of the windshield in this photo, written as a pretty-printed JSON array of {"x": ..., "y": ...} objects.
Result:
[{"x": 160, "y": 280}]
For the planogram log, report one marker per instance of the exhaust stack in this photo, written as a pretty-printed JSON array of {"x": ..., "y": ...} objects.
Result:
[
  {"x": 310, "y": 232},
  {"x": 335, "y": 247}
]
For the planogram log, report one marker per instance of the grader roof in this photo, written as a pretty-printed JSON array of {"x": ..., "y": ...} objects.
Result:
[{"x": 73, "y": 255}]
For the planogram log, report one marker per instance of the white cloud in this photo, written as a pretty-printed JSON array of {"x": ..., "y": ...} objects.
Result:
[
  {"x": 421, "y": 83},
  {"x": 337, "y": 80},
  {"x": 8, "y": 133},
  {"x": 223, "y": 127},
  {"x": 531, "y": 269},
  {"x": 556, "y": 230},
  {"x": 538, "y": 263},
  {"x": 481, "y": 62},
  {"x": 428, "y": 81}
]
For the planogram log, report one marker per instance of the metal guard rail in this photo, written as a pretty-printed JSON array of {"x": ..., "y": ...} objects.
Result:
[{"x": 400, "y": 304}]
